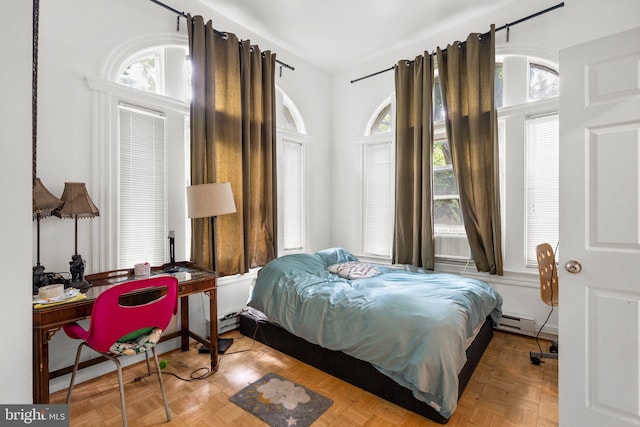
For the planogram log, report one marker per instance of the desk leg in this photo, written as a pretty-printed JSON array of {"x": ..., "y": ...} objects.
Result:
[
  {"x": 184, "y": 323},
  {"x": 213, "y": 333},
  {"x": 40, "y": 366}
]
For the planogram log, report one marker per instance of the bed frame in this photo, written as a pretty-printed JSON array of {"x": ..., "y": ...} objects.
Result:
[{"x": 357, "y": 372}]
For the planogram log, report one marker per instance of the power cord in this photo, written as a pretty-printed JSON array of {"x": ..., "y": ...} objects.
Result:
[
  {"x": 206, "y": 371},
  {"x": 192, "y": 377}
]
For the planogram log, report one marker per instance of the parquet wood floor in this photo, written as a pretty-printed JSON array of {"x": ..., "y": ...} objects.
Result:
[{"x": 505, "y": 390}]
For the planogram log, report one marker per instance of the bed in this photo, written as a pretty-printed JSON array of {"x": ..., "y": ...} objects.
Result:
[{"x": 412, "y": 338}]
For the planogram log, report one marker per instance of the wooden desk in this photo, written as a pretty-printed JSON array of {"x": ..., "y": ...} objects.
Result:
[{"x": 48, "y": 320}]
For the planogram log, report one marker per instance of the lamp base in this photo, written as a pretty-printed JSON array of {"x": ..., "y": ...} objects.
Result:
[
  {"x": 223, "y": 345},
  {"x": 39, "y": 278},
  {"x": 76, "y": 267},
  {"x": 172, "y": 269}
]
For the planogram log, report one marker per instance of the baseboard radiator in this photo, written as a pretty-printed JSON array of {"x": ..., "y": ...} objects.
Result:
[
  {"x": 518, "y": 324},
  {"x": 226, "y": 323},
  {"x": 508, "y": 322}
]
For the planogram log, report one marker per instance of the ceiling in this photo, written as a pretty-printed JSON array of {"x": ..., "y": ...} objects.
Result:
[{"x": 335, "y": 33}]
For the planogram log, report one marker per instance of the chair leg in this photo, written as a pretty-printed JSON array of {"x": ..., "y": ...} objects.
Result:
[
  {"x": 121, "y": 386},
  {"x": 146, "y": 358},
  {"x": 164, "y": 395},
  {"x": 75, "y": 371}
]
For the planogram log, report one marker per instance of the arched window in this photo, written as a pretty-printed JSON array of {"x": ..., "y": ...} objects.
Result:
[
  {"x": 292, "y": 182},
  {"x": 378, "y": 183},
  {"x": 529, "y": 136},
  {"x": 164, "y": 70},
  {"x": 147, "y": 142},
  {"x": 526, "y": 92},
  {"x": 543, "y": 81},
  {"x": 382, "y": 122},
  {"x": 143, "y": 73}
]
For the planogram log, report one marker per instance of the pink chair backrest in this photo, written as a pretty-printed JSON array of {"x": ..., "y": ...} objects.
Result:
[{"x": 110, "y": 320}]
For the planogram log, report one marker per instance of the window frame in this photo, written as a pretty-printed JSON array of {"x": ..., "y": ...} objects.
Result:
[
  {"x": 297, "y": 136},
  {"x": 107, "y": 93},
  {"x": 512, "y": 118}
]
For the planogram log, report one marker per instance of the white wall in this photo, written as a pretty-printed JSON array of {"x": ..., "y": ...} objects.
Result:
[
  {"x": 576, "y": 22},
  {"x": 15, "y": 216}
]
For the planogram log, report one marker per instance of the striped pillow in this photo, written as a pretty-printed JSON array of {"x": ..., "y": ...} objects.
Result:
[{"x": 354, "y": 270}]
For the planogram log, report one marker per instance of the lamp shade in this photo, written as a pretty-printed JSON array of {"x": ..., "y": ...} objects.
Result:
[
  {"x": 43, "y": 201},
  {"x": 210, "y": 200},
  {"x": 77, "y": 203}
]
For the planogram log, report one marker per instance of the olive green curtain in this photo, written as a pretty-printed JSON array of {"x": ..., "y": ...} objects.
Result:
[
  {"x": 233, "y": 139},
  {"x": 413, "y": 228},
  {"x": 467, "y": 79}
]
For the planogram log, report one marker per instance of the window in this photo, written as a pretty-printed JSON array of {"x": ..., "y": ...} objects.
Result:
[
  {"x": 292, "y": 182},
  {"x": 526, "y": 92},
  {"x": 378, "y": 183},
  {"x": 542, "y": 183},
  {"x": 529, "y": 159},
  {"x": 448, "y": 227},
  {"x": 543, "y": 82},
  {"x": 142, "y": 215},
  {"x": 141, "y": 154},
  {"x": 378, "y": 198},
  {"x": 162, "y": 70},
  {"x": 143, "y": 73},
  {"x": 382, "y": 123},
  {"x": 449, "y": 234},
  {"x": 293, "y": 195}
]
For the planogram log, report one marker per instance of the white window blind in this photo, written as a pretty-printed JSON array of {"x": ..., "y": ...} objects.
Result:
[
  {"x": 542, "y": 183},
  {"x": 293, "y": 195},
  {"x": 378, "y": 198},
  {"x": 142, "y": 213}
]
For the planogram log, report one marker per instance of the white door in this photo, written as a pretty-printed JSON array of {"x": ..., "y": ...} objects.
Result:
[{"x": 599, "y": 311}]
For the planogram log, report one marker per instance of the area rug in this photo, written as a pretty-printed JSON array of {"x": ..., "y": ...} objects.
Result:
[{"x": 280, "y": 402}]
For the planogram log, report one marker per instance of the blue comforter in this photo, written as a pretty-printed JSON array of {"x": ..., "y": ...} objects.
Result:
[{"x": 413, "y": 327}]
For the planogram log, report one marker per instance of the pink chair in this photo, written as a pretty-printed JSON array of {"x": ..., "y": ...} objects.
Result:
[{"x": 116, "y": 329}]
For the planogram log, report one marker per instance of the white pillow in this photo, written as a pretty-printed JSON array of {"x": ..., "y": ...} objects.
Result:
[{"x": 354, "y": 270}]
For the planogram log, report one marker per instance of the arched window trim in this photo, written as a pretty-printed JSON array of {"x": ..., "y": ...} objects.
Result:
[
  {"x": 372, "y": 119},
  {"x": 295, "y": 113},
  {"x": 113, "y": 65}
]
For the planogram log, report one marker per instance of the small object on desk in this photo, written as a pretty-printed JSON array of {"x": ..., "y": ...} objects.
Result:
[
  {"x": 69, "y": 295},
  {"x": 76, "y": 267},
  {"x": 142, "y": 269},
  {"x": 172, "y": 268},
  {"x": 50, "y": 291}
]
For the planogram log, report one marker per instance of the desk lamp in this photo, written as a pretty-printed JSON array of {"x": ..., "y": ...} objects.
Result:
[
  {"x": 209, "y": 201},
  {"x": 43, "y": 204},
  {"x": 77, "y": 204}
]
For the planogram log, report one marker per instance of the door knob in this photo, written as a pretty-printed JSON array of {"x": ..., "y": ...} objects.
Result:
[{"x": 573, "y": 267}]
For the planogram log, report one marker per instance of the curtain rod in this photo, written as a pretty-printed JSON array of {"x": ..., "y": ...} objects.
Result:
[
  {"x": 220, "y": 33},
  {"x": 505, "y": 26}
]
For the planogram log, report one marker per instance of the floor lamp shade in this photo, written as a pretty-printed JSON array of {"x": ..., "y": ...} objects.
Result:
[{"x": 210, "y": 200}]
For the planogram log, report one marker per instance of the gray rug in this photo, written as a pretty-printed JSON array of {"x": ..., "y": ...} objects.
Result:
[{"x": 280, "y": 402}]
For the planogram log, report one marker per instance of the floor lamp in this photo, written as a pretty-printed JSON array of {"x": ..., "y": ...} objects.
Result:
[{"x": 210, "y": 201}]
